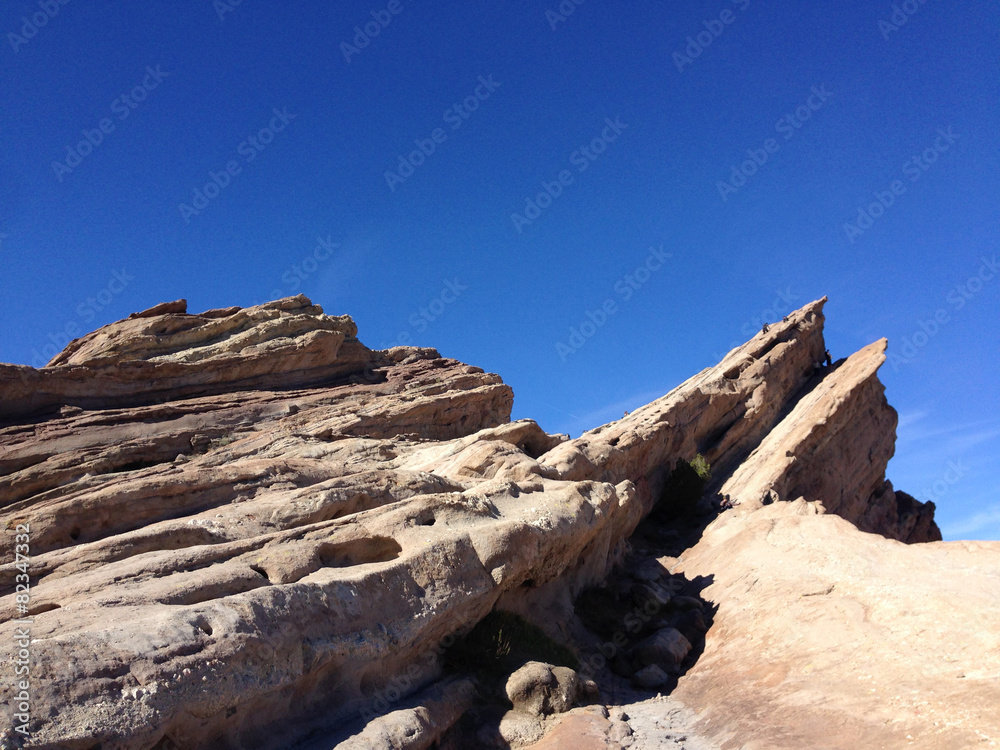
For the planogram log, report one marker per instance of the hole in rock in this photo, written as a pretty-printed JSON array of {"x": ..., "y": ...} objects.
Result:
[
  {"x": 531, "y": 449},
  {"x": 427, "y": 520},
  {"x": 75, "y": 533},
  {"x": 260, "y": 571},
  {"x": 136, "y": 465},
  {"x": 374, "y": 549},
  {"x": 202, "y": 624},
  {"x": 166, "y": 743}
]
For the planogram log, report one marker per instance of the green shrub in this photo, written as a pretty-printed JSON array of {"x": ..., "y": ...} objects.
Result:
[
  {"x": 701, "y": 467},
  {"x": 501, "y": 643},
  {"x": 683, "y": 487}
]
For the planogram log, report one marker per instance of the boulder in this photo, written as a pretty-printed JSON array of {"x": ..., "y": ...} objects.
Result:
[
  {"x": 541, "y": 689},
  {"x": 666, "y": 648}
]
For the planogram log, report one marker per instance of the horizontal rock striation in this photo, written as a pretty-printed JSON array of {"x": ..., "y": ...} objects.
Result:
[
  {"x": 164, "y": 354},
  {"x": 246, "y": 517}
]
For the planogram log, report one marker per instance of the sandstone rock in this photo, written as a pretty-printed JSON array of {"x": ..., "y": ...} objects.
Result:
[
  {"x": 581, "y": 729},
  {"x": 521, "y": 727},
  {"x": 541, "y": 689},
  {"x": 832, "y": 448},
  {"x": 244, "y": 521},
  {"x": 666, "y": 648},
  {"x": 649, "y": 571},
  {"x": 415, "y": 728},
  {"x": 620, "y": 733},
  {"x": 826, "y": 636},
  {"x": 650, "y": 677}
]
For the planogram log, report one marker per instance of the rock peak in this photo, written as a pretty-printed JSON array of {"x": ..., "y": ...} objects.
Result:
[{"x": 245, "y": 519}]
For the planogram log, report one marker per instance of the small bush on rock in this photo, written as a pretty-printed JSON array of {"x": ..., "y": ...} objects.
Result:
[
  {"x": 683, "y": 487},
  {"x": 501, "y": 643}
]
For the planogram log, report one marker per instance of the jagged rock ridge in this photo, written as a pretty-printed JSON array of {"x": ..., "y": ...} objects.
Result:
[{"x": 246, "y": 516}]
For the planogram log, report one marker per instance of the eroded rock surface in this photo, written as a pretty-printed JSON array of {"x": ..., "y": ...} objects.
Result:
[
  {"x": 245, "y": 520},
  {"x": 829, "y": 637}
]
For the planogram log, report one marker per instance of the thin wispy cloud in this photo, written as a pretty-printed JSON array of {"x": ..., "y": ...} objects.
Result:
[{"x": 982, "y": 525}]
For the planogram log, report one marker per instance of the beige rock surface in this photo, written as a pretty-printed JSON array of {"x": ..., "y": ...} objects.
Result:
[
  {"x": 245, "y": 520},
  {"x": 828, "y": 637},
  {"x": 833, "y": 447}
]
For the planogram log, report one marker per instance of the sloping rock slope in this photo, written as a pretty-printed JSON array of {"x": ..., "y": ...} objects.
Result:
[
  {"x": 827, "y": 637},
  {"x": 245, "y": 520}
]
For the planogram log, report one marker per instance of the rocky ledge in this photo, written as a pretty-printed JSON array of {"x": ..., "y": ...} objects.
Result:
[{"x": 247, "y": 529}]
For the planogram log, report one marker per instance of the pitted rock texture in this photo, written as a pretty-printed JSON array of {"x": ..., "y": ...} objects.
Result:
[{"x": 245, "y": 520}]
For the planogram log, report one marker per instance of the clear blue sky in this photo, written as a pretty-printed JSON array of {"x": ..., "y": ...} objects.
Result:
[{"x": 232, "y": 153}]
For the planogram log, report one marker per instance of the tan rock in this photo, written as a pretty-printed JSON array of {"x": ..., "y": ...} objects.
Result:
[
  {"x": 666, "y": 648},
  {"x": 542, "y": 689},
  {"x": 833, "y": 448},
  {"x": 829, "y": 637},
  {"x": 245, "y": 520}
]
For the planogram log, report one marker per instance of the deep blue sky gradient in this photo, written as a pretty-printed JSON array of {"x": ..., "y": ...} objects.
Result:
[{"x": 443, "y": 241}]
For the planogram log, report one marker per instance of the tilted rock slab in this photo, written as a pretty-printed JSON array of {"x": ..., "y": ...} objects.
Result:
[
  {"x": 245, "y": 519},
  {"x": 828, "y": 637}
]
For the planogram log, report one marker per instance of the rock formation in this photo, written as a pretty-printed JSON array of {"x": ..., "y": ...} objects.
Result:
[{"x": 247, "y": 529}]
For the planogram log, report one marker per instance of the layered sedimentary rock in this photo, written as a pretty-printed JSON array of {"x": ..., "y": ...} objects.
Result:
[
  {"x": 833, "y": 448},
  {"x": 165, "y": 354},
  {"x": 245, "y": 520}
]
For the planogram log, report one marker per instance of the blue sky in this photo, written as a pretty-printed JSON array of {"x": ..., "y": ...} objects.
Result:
[{"x": 657, "y": 177}]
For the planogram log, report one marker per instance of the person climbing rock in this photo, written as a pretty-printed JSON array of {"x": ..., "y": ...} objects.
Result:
[
  {"x": 829, "y": 359},
  {"x": 766, "y": 328}
]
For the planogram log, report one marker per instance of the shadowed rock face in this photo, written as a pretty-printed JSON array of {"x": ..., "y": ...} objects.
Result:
[{"x": 246, "y": 517}]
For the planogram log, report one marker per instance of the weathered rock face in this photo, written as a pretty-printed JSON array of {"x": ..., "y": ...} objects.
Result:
[
  {"x": 829, "y": 637},
  {"x": 165, "y": 354},
  {"x": 245, "y": 517},
  {"x": 833, "y": 447}
]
